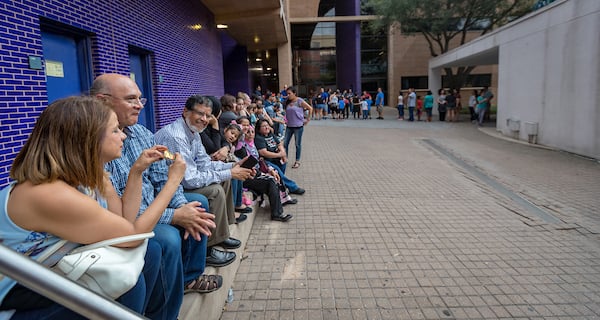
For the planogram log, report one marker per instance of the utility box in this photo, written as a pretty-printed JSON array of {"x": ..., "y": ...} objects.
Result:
[
  {"x": 531, "y": 129},
  {"x": 514, "y": 126}
]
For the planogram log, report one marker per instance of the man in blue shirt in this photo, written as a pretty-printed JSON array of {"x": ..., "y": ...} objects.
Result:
[
  {"x": 184, "y": 226},
  {"x": 379, "y": 101}
]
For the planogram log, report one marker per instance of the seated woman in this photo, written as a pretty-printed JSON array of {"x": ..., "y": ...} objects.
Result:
[
  {"x": 60, "y": 192},
  {"x": 272, "y": 150},
  {"x": 261, "y": 183}
]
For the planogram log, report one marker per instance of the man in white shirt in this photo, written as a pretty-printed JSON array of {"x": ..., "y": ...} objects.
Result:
[{"x": 203, "y": 175}]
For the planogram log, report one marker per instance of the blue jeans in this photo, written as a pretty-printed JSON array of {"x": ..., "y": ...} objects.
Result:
[
  {"x": 237, "y": 189},
  {"x": 289, "y": 183},
  {"x": 167, "y": 295},
  {"x": 297, "y": 133},
  {"x": 401, "y": 111},
  {"x": 411, "y": 113},
  {"x": 194, "y": 252}
]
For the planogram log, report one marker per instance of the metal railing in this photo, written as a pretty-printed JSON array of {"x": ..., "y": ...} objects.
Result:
[{"x": 44, "y": 281}]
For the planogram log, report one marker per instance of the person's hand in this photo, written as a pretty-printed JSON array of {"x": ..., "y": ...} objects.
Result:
[
  {"x": 240, "y": 173},
  {"x": 220, "y": 155},
  {"x": 194, "y": 220},
  {"x": 148, "y": 157},
  {"x": 177, "y": 169},
  {"x": 275, "y": 174},
  {"x": 212, "y": 121}
]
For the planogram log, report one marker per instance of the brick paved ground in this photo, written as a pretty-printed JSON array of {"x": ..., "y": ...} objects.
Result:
[{"x": 390, "y": 228}]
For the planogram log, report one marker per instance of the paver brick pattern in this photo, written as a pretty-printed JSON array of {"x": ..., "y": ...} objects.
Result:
[{"x": 391, "y": 229}]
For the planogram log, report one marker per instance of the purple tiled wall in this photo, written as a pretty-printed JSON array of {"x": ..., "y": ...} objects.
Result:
[
  {"x": 235, "y": 67},
  {"x": 187, "y": 61}
]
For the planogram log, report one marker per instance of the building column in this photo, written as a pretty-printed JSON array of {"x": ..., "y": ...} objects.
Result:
[
  {"x": 347, "y": 38},
  {"x": 284, "y": 65}
]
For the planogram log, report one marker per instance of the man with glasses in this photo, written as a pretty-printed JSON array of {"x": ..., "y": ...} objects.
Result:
[
  {"x": 184, "y": 226},
  {"x": 203, "y": 175}
]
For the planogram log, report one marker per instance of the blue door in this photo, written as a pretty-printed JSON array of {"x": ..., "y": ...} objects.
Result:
[
  {"x": 140, "y": 72},
  {"x": 61, "y": 64}
]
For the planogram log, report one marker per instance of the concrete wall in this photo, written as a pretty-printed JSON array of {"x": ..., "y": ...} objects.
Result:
[{"x": 549, "y": 72}]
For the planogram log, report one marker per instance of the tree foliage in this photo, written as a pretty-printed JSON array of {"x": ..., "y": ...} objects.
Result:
[{"x": 442, "y": 21}]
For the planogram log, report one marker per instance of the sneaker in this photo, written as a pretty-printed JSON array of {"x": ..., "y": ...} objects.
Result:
[
  {"x": 283, "y": 218},
  {"x": 298, "y": 191}
]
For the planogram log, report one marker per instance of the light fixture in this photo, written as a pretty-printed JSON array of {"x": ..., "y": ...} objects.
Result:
[
  {"x": 222, "y": 26},
  {"x": 267, "y": 55},
  {"x": 256, "y": 39},
  {"x": 195, "y": 27},
  {"x": 258, "y": 59}
]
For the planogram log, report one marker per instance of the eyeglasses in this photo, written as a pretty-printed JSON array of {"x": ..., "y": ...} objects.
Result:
[
  {"x": 131, "y": 101},
  {"x": 198, "y": 113}
]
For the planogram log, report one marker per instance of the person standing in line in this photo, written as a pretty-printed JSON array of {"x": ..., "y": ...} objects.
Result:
[
  {"x": 472, "y": 106},
  {"x": 379, "y": 101},
  {"x": 458, "y": 104},
  {"x": 481, "y": 108},
  {"x": 294, "y": 112},
  {"x": 487, "y": 97},
  {"x": 428, "y": 104},
  {"x": 364, "y": 106},
  {"x": 451, "y": 105},
  {"x": 442, "y": 104},
  {"x": 419, "y": 108},
  {"x": 400, "y": 106},
  {"x": 412, "y": 103},
  {"x": 321, "y": 100}
]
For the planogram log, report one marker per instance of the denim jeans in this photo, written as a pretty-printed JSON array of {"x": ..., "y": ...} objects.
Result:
[
  {"x": 297, "y": 133},
  {"x": 411, "y": 113},
  {"x": 194, "y": 252},
  {"x": 236, "y": 188},
  {"x": 167, "y": 295},
  {"x": 290, "y": 184},
  {"x": 401, "y": 111}
]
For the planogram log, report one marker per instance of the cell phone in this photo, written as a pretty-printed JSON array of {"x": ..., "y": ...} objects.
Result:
[{"x": 249, "y": 163}]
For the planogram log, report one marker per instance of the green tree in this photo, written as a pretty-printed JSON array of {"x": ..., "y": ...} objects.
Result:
[{"x": 441, "y": 21}]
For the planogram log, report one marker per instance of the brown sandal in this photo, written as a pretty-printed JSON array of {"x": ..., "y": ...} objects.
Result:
[
  {"x": 204, "y": 284},
  {"x": 296, "y": 165}
]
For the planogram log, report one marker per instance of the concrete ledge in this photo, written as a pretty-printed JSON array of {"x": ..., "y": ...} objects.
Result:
[
  {"x": 492, "y": 131},
  {"x": 210, "y": 306}
]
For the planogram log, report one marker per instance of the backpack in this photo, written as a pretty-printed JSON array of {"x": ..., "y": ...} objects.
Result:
[{"x": 319, "y": 99}]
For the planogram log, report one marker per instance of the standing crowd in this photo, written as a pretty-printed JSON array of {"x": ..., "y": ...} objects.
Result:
[{"x": 185, "y": 183}]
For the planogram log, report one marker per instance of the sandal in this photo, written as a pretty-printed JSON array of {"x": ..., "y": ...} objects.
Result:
[
  {"x": 204, "y": 284},
  {"x": 296, "y": 165}
]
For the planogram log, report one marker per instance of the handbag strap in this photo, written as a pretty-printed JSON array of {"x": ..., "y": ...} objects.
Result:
[
  {"x": 53, "y": 254},
  {"x": 113, "y": 241}
]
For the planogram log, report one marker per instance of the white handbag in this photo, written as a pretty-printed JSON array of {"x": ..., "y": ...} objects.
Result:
[{"x": 102, "y": 268}]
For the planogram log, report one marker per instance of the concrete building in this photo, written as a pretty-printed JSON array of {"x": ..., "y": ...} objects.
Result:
[{"x": 548, "y": 67}]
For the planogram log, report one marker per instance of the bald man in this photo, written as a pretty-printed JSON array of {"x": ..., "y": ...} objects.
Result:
[{"x": 184, "y": 226}]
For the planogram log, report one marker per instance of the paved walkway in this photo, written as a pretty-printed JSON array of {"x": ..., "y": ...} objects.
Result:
[{"x": 423, "y": 220}]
